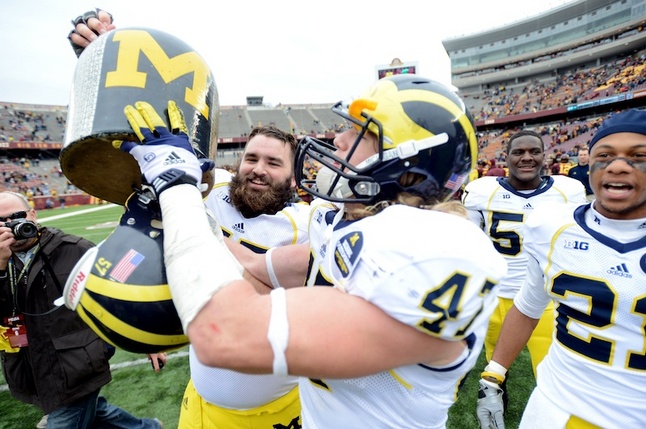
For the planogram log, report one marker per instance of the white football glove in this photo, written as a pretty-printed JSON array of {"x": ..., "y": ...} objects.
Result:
[
  {"x": 490, "y": 408},
  {"x": 165, "y": 157}
]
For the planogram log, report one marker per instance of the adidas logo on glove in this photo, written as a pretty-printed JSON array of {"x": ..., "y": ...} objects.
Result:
[{"x": 174, "y": 158}]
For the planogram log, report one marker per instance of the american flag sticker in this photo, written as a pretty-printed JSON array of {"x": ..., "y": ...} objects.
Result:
[
  {"x": 126, "y": 266},
  {"x": 454, "y": 182}
]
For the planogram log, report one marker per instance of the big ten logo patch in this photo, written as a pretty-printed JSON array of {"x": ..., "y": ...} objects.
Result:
[{"x": 577, "y": 245}]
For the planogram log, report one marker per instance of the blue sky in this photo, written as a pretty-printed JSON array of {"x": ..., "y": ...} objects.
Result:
[{"x": 288, "y": 51}]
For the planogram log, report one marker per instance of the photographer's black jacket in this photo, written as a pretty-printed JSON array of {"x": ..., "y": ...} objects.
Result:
[{"x": 65, "y": 360}]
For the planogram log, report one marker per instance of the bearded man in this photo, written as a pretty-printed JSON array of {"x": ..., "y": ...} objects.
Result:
[{"x": 253, "y": 207}]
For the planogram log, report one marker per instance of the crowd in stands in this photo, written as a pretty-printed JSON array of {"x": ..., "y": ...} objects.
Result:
[
  {"x": 238, "y": 121},
  {"x": 562, "y": 141},
  {"x": 34, "y": 178},
  {"x": 44, "y": 125},
  {"x": 570, "y": 87},
  {"x": 562, "y": 138}
]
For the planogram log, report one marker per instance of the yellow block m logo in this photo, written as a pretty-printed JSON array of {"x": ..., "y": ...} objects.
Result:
[{"x": 132, "y": 42}]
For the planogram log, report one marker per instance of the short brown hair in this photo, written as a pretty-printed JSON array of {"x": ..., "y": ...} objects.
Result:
[{"x": 273, "y": 132}]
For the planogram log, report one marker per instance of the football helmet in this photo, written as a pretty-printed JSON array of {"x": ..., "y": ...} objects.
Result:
[
  {"x": 119, "y": 287},
  {"x": 121, "y": 67},
  {"x": 424, "y": 132}
]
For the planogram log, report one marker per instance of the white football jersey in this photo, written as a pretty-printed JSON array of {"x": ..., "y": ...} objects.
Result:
[
  {"x": 430, "y": 270},
  {"x": 288, "y": 226},
  {"x": 596, "y": 365},
  {"x": 223, "y": 387},
  {"x": 500, "y": 210}
]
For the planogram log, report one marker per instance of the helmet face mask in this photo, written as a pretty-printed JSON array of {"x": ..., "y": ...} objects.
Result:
[
  {"x": 426, "y": 145},
  {"x": 333, "y": 178}
]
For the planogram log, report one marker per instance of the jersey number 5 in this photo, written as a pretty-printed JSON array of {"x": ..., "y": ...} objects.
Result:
[{"x": 506, "y": 242}]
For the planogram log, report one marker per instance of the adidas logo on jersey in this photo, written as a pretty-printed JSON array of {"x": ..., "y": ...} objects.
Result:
[
  {"x": 528, "y": 206},
  {"x": 642, "y": 226},
  {"x": 620, "y": 270},
  {"x": 239, "y": 227},
  {"x": 173, "y": 158}
]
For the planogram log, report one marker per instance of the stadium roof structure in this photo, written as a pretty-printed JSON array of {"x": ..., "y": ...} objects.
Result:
[
  {"x": 580, "y": 32},
  {"x": 552, "y": 17}
]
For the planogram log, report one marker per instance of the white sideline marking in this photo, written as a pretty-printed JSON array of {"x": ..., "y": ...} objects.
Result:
[
  {"x": 61, "y": 216},
  {"x": 145, "y": 360}
]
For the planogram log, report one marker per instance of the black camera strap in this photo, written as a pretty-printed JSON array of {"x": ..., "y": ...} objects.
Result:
[{"x": 14, "y": 281}]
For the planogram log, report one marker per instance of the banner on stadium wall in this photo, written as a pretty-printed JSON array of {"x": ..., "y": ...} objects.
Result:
[
  {"x": 31, "y": 145},
  {"x": 606, "y": 100}
]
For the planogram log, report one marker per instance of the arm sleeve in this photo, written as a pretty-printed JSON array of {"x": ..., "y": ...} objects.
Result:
[
  {"x": 476, "y": 217},
  {"x": 469, "y": 202},
  {"x": 198, "y": 263},
  {"x": 532, "y": 299}
]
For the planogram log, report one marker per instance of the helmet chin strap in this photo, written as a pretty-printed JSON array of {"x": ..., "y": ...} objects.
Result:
[{"x": 324, "y": 179}]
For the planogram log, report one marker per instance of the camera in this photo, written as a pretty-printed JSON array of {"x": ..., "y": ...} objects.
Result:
[{"x": 22, "y": 228}]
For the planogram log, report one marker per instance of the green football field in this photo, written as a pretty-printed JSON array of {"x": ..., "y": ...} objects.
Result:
[{"x": 139, "y": 390}]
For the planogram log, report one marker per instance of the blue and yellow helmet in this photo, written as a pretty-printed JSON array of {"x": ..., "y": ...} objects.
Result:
[
  {"x": 424, "y": 131},
  {"x": 119, "y": 287}
]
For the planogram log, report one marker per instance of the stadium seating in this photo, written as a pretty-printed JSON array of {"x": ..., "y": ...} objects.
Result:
[
  {"x": 276, "y": 117},
  {"x": 234, "y": 122},
  {"x": 570, "y": 86},
  {"x": 23, "y": 124}
]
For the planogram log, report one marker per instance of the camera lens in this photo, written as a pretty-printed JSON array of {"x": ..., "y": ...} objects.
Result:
[
  {"x": 22, "y": 229},
  {"x": 26, "y": 230}
]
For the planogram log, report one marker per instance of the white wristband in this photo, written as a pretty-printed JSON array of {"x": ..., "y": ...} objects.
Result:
[
  {"x": 495, "y": 367},
  {"x": 270, "y": 270},
  {"x": 278, "y": 331}
]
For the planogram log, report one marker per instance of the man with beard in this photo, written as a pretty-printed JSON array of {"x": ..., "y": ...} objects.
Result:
[
  {"x": 253, "y": 209},
  {"x": 258, "y": 195},
  {"x": 263, "y": 183},
  {"x": 500, "y": 206}
]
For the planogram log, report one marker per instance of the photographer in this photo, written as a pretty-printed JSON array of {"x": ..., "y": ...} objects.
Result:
[{"x": 54, "y": 360}]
